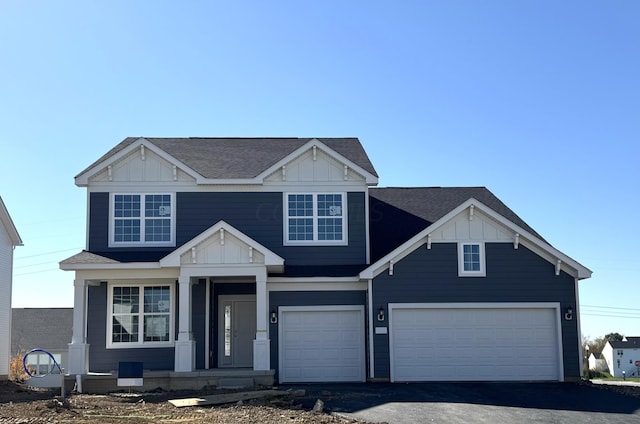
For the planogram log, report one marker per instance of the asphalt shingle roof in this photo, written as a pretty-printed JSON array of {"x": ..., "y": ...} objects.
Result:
[
  {"x": 398, "y": 213},
  {"x": 240, "y": 158},
  {"x": 45, "y": 328}
]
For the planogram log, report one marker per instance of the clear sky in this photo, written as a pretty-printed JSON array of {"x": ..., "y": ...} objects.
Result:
[{"x": 538, "y": 100}]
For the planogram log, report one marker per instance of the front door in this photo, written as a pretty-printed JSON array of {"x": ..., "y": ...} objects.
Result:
[{"x": 236, "y": 330}]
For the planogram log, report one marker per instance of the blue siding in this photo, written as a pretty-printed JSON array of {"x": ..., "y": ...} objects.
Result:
[
  {"x": 198, "y": 319},
  {"x": 309, "y": 298},
  {"x": 258, "y": 215},
  {"x": 431, "y": 276},
  {"x": 102, "y": 359}
]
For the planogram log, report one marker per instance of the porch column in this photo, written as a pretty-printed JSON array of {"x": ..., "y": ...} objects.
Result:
[
  {"x": 261, "y": 345},
  {"x": 78, "y": 348},
  {"x": 185, "y": 353}
]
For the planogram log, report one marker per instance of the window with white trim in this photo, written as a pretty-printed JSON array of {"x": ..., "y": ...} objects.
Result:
[
  {"x": 140, "y": 315},
  {"x": 142, "y": 219},
  {"x": 315, "y": 218},
  {"x": 471, "y": 260}
]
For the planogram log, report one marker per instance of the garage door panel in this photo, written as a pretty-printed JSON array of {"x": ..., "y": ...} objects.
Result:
[
  {"x": 467, "y": 344},
  {"x": 322, "y": 345}
]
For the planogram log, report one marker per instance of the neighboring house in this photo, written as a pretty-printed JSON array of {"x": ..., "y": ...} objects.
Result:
[
  {"x": 42, "y": 328},
  {"x": 623, "y": 357},
  {"x": 9, "y": 239},
  {"x": 280, "y": 258},
  {"x": 597, "y": 362}
]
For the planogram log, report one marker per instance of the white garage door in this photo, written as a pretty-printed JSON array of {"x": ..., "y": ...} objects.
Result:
[
  {"x": 321, "y": 344},
  {"x": 481, "y": 343}
]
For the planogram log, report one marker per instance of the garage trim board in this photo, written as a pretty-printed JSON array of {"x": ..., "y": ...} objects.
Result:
[
  {"x": 531, "y": 344},
  {"x": 321, "y": 344}
]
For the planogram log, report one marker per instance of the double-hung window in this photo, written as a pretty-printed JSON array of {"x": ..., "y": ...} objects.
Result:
[
  {"x": 471, "y": 260},
  {"x": 315, "y": 218},
  {"x": 142, "y": 219},
  {"x": 140, "y": 315}
]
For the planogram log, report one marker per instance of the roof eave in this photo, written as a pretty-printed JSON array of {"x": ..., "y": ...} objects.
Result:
[{"x": 581, "y": 272}]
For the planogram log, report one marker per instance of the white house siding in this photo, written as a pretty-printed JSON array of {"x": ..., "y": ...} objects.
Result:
[{"x": 6, "y": 264}]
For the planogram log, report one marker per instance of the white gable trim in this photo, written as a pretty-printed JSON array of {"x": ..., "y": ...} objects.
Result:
[
  {"x": 532, "y": 242},
  {"x": 7, "y": 223},
  {"x": 270, "y": 258},
  {"x": 369, "y": 178},
  {"x": 82, "y": 180}
]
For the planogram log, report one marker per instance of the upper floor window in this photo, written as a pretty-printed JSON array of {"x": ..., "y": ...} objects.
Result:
[
  {"x": 140, "y": 315},
  {"x": 142, "y": 219},
  {"x": 315, "y": 218},
  {"x": 471, "y": 260}
]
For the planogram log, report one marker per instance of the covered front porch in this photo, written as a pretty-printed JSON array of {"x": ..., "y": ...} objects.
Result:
[{"x": 219, "y": 304}]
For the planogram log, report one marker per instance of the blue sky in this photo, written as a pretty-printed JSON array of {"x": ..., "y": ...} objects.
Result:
[{"x": 537, "y": 100}]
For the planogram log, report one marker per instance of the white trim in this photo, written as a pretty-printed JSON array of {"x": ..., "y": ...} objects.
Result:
[
  {"x": 270, "y": 258},
  {"x": 370, "y": 179},
  {"x": 315, "y": 217},
  {"x": 82, "y": 180},
  {"x": 527, "y": 239},
  {"x": 141, "y": 343},
  {"x": 576, "y": 312},
  {"x": 142, "y": 218},
  {"x": 289, "y": 280},
  {"x": 372, "y": 368},
  {"x": 461, "y": 271},
  {"x": 207, "y": 323},
  {"x": 7, "y": 222},
  {"x": 480, "y": 305},
  {"x": 318, "y": 286},
  {"x": 320, "y": 308}
]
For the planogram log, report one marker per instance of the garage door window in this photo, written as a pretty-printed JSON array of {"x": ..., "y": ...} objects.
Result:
[{"x": 471, "y": 260}]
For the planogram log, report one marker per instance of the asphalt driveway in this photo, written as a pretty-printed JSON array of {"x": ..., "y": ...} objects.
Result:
[{"x": 475, "y": 403}]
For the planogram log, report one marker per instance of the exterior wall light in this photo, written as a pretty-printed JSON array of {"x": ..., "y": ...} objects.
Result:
[
  {"x": 381, "y": 314},
  {"x": 568, "y": 315},
  {"x": 274, "y": 317}
]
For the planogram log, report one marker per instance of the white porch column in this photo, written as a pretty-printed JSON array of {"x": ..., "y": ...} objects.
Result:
[
  {"x": 261, "y": 345},
  {"x": 185, "y": 354},
  {"x": 78, "y": 348}
]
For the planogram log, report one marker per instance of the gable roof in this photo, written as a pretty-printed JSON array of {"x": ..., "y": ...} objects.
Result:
[
  {"x": 629, "y": 343},
  {"x": 532, "y": 240},
  {"x": 45, "y": 328},
  {"x": 239, "y": 158},
  {"x": 7, "y": 223},
  {"x": 419, "y": 207}
]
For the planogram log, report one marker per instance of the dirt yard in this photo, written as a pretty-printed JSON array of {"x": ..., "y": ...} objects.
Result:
[{"x": 20, "y": 405}]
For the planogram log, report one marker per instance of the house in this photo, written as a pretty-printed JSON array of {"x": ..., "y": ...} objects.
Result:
[
  {"x": 278, "y": 260},
  {"x": 623, "y": 357},
  {"x": 42, "y": 328},
  {"x": 597, "y": 362},
  {"x": 9, "y": 239}
]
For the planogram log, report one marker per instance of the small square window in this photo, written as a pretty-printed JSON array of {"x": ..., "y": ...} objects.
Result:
[{"x": 471, "y": 260}]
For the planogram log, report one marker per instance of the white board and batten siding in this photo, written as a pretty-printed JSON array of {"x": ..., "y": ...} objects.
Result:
[
  {"x": 321, "y": 344},
  {"x": 475, "y": 342}
]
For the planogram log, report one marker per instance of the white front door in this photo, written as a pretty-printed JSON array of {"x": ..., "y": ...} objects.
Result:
[{"x": 236, "y": 330}]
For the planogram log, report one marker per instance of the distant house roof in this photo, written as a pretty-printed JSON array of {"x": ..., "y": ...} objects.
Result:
[
  {"x": 630, "y": 343},
  {"x": 240, "y": 158},
  {"x": 419, "y": 207},
  {"x": 45, "y": 328},
  {"x": 7, "y": 223},
  {"x": 597, "y": 355}
]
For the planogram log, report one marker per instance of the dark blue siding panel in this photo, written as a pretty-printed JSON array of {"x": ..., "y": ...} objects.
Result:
[
  {"x": 106, "y": 360},
  {"x": 513, "y": 275},
  {"x": 198, "y": 320},
  {"x": 309, "y": 298},
  {"x": 258, "y": 215}
]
